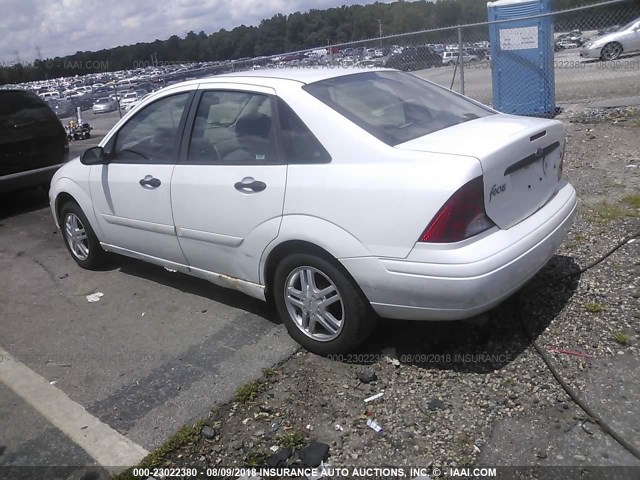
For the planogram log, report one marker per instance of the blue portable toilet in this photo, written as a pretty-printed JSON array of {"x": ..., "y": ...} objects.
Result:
[{"x": 522, "y": 57}]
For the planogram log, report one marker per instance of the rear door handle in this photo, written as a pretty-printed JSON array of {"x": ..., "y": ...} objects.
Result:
[
  {"x": 249, "y": 185},
  {"x": 150, "y": 181}
]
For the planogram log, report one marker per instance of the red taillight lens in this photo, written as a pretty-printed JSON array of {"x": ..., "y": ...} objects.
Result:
[{"x": 462, "y": 216}]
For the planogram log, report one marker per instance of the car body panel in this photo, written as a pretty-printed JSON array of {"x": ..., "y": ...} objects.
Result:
[
  {"x": 133, "y": 216},
  {"x": 214, "y": 236},
  {"x": 509, "y": 197},
  {"x": 465, "y": 279}
]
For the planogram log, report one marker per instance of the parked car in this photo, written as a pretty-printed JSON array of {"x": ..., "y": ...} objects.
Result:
[
  {"x": 337, "y": 194},
  {"x": 62, "y": 108},
  {"x": 412, "y": 58},
  {"x": 566, "y": 44},
  {"x": 137, "y": 102},
  {"x": 104, "y": 105},
  {"x": 451, "y": 58},
  {"x": 611, "y": 46},
  {"x": 33, "y": 143},
  {"x": 127, "y": 99}
]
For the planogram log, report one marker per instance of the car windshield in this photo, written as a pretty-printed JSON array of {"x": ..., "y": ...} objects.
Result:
[
  {"x": 103, "y": 100},
  {"x": 395, "y": 107}
]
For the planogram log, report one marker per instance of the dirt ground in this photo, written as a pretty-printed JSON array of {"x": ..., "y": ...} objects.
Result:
[{"x": 476, "y": 392}]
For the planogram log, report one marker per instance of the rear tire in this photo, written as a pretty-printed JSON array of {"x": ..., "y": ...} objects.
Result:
[
  {"x": 79, "y": 237},
  {"x": 321, "y": 306}
]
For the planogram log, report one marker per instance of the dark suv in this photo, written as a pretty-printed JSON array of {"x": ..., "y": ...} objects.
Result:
[
  {"x": 413, "y": 58},
  {"x": 33, "y": 143}
]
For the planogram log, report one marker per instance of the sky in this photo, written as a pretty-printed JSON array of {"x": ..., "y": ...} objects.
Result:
[{"x": 62, "y": 27}]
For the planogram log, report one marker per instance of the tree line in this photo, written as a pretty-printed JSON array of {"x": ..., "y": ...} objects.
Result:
[{"x": 286, "y": 33}]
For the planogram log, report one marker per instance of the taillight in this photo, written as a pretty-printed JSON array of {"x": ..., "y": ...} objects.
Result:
[{"x": 462, "y": 216}]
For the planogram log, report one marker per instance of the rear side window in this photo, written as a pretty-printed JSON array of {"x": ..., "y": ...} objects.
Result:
[
  {"x": 233, "y": 128},
  {"x": 298, "y": 143},
  {"x": 395, "y": 107}
]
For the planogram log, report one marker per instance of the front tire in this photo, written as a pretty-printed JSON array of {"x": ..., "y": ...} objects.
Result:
[
  {"x": 322, "y": 308},
  {"x": 611, "y": 51},
  {"x": 79, "y": 237}
]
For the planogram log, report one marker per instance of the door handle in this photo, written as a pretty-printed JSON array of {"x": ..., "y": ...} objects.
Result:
[
  {"x": 249, "y": 185},
  {"x": 150, "y": 181}
]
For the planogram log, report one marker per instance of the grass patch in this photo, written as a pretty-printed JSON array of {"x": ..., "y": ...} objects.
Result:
[
  {"x": 188, "y": 433},
  {"x": 268, "y": 372},
  {"x": 508, "y": 382},
  {"x": 256, "y": 459},
  {"x": 575, "y": 241},
  {"x": 632, "y": 201},
  {"x": 605, "y": 212},
  {"x": 622, "y": 338},
  {"x": 593, "y": 307},
  {"x": 249, "y": 392},
  {"x": 292, "y": 440}
]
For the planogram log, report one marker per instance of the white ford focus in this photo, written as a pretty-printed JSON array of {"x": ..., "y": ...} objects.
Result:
[{"x": 331, "y": 193}]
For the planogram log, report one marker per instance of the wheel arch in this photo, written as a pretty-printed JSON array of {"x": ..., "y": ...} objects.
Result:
[
  {"x": 289, "y": 247},
  {"x": 67, "y": 190},
  {"x": 61, "y": 199}
]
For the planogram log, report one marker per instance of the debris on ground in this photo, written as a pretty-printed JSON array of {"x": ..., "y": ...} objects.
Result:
[{"x": 95, "y": 297}]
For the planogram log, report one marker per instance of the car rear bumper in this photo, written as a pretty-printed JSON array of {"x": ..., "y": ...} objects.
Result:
[
  {"x": 27, "y": 179},
  {"x": 456, "y": 281}
]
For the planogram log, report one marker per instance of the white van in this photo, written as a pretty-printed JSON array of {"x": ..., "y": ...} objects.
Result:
[{"x": 49, "y": 95}]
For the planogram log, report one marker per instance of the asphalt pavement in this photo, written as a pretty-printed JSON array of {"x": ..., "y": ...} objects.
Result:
[{"x": 103, "y": 383}]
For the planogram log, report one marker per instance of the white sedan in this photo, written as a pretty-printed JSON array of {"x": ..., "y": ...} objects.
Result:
[{"x": 339, "y": 195}]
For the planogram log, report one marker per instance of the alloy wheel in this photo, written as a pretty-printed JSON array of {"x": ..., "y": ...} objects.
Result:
[
  {"x": 76, "y": 236},
  {"x": 314, "y": 303}
]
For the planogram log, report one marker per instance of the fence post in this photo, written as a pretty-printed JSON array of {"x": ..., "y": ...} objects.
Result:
[{"x": 461, "y": 60}]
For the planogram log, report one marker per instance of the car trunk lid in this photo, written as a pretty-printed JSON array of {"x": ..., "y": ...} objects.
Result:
[{"x": 520, "y": 158}]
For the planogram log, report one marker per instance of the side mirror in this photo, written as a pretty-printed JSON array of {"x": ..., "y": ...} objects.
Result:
[{"x": 93, "y": 156}]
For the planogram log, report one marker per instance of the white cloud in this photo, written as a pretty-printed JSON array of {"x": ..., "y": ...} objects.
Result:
[{"x": 63, "y": 27}]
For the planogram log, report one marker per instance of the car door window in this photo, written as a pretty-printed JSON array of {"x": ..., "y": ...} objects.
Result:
[
  {"x": 233, "y": 128},
  {"x": 299, "y": 144},
  {"x": 151, "y": 135}
]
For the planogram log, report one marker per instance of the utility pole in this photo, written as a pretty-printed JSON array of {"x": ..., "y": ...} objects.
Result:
[
  {"x": 380, "y": 30},
  {"x": 46, "y": 73}
]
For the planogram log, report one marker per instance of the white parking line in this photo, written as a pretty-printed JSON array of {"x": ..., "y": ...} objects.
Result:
[{"x": 108, "y": 447}]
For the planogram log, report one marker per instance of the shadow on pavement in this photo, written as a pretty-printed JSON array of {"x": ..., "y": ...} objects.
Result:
[
  {"x": 485, "y": 343},
  {"x": 194, "y": 286},
  {"x": 17, "y": 203}
]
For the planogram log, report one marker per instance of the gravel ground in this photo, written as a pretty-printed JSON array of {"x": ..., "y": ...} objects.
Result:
[{"x": 448, "y": 387}]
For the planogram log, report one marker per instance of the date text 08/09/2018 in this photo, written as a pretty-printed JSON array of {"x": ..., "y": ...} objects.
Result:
[{"x": 322, "y": 471}]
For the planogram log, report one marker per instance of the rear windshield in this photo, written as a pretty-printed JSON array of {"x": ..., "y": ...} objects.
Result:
[
  {"x": 18, "y": 108},
  {"x": 395, "y": 107}
]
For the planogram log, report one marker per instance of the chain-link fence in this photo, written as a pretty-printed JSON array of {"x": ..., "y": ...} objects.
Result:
[{"x": 593, "y": 53}]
